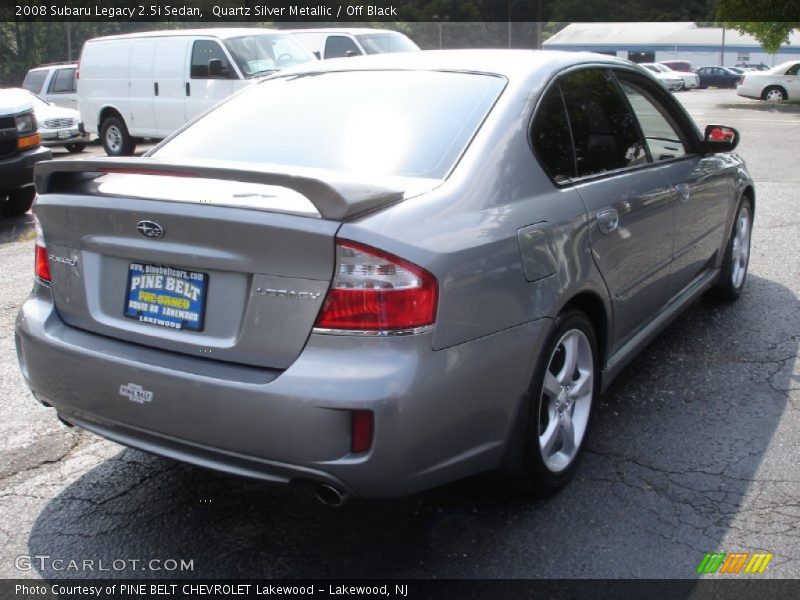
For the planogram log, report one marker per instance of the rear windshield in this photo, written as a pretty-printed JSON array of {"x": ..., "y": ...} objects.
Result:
[{"x": 398, "y": 123}]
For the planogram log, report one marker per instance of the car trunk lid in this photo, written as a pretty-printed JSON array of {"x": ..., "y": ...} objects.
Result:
[{"x": 218, "y": 262}]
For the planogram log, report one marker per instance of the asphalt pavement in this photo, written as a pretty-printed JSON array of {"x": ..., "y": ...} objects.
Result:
[{"x": 695, "y": 448}]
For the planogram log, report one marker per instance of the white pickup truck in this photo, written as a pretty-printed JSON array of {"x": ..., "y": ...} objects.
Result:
[{"x": 20, "y": 150}]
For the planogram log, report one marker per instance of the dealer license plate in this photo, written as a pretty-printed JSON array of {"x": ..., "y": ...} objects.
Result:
[{"x": 166, "y": 296}]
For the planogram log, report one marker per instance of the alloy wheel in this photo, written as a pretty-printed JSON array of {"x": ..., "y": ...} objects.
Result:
[
  {"x": 566, "y": 400},
  {"x": 740, "y": 252}
]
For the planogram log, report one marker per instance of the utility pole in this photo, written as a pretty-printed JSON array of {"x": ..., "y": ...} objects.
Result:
[
  {"x": 69, "y": 41},
  {"x": 722, "y": 52}
]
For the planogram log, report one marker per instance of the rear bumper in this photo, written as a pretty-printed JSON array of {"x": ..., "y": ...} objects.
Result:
[
  {"x": 17, "y": 171},
  {"x": 438, "y": 415}
]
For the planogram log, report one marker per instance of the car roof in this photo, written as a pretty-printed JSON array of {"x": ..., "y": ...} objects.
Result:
[
  {"x": 352, "y": 30},
  {"x": 61, "y": 65},
  {"x": 511, "y": 64},
  {"x": 784, "y": 65},
  {"x": 217, "y": 32}
]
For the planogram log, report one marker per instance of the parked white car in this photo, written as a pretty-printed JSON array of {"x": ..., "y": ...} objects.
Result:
[
  {"x": 58, "y": 126},
  {"x": 147, "y": 85},
  {"x": 690, "y": 80},
  {"x": 778, "y": 83},
  {"x": 672, "y": 82}
]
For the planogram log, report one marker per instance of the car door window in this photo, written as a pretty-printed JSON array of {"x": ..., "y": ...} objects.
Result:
[
  {"x": 793, "y": 70},
  {"x": 204, "y": 51},
  {"x": 63, "y": 82},
  {"x": 551, "y": 138},
  {"x": 339, "y": 45},
  {"x": 603, "y": 126},
  {"x": 664, "y": 140}
]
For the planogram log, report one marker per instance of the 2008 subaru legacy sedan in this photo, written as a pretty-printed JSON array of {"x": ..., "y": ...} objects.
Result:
[{"x": 380, "y": 275}]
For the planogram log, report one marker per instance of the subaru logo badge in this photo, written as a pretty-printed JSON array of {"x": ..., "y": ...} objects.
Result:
[{"x": 150, "y": 229}]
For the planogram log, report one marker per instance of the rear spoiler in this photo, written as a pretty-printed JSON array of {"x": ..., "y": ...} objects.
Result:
[{"x": 335, "y": 196}]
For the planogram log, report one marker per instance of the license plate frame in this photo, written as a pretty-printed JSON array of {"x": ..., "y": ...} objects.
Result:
[{"x": 179, "y": 304}]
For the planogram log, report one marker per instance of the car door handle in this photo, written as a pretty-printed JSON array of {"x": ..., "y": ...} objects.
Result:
[
  {"x": 684, "y": 192},
  {"x": 607, "y": 220},
  {"x": 155, "y": 87},
  {"x": 188, "y": 89}
]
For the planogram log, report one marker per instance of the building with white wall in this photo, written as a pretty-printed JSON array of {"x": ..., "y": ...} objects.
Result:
[{"x": 653, "y": 42}]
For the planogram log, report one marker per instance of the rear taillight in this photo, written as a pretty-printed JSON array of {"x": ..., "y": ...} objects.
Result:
[
  {"x": 375, "y": 292},
  {"x": 42, "y": 266}
]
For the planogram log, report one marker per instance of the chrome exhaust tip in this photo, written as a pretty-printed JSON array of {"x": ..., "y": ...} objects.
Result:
[{"x": 330, "y": 496}]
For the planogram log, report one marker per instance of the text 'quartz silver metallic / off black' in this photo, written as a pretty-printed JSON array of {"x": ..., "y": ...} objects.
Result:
[{"x": 377, "y": 275}]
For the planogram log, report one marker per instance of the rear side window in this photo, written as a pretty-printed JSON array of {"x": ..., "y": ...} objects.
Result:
[
  {"x": 603, "y": 127},
  {"x": 63, "y": 81},
  {"x": 551, "y": 138},
  {"x": 34, "y": 81},
  {"x": 339, "y": 45},
  {"x": 403, "y": 123}
]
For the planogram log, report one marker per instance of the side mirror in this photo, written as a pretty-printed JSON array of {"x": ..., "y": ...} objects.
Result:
[
  {"x": 719, "y": 138},
  {"x": 215, "y": 68},
  {"x": 350, "y": 53}
]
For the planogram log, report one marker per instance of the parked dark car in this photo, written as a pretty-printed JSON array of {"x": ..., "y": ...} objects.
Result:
[
  {"x": 717, "y": 77},
  {"x": 468, "y": 247}
]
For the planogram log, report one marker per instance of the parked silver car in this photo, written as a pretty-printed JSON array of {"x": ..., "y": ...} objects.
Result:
[{"x": 407, "y": 270}]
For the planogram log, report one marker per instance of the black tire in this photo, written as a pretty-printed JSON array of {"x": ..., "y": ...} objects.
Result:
[
  {"x": 115, "y": 137},
  {"x": 533, "y": 474},
  {"x": 774, "y": 88},
  {"x": 19, "y": 202},
  {"x": 75, "y": 148},
  {"x": 729, "y": 286}
]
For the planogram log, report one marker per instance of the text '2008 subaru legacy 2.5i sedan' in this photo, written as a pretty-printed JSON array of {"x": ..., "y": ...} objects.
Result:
[{"x": 381, "y": 274}]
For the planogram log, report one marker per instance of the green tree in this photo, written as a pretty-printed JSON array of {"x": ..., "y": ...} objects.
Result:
[{"x": 736, "y": 14}]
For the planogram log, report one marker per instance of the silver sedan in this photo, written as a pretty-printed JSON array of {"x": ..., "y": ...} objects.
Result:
[{"x": 378, "y": 275}]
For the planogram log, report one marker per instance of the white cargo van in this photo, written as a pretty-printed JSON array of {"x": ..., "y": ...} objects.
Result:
[
  {"x": 150, "y": 84},
  {"x": 353, "y": 41}
]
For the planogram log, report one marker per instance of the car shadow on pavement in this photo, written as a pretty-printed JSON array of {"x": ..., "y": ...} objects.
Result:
[
  {"x": 16, "y": 229},
  {"x": 681, "y": 461}
]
